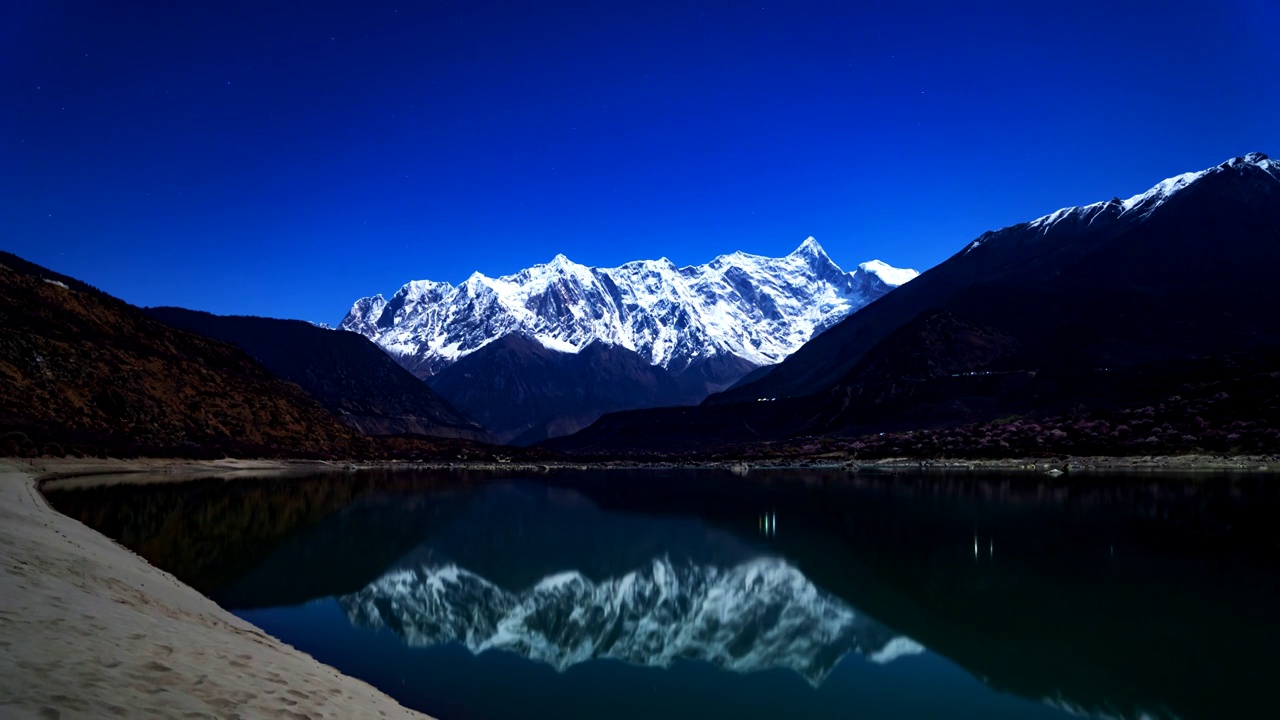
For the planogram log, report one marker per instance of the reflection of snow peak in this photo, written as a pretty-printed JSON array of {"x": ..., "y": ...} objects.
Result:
[
  {"x": 759, "y": 615},
  {"x": 1097, "y": 714}
]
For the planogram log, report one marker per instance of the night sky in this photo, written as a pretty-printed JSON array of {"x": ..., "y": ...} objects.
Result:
[{"x": 284, "y": 159}]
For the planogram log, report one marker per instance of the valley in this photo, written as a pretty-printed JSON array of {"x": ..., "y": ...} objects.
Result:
[{"x": 688, "y": 360}]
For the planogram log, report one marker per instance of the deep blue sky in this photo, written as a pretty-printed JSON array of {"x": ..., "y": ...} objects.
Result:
[{"x": 285, "y": 158}]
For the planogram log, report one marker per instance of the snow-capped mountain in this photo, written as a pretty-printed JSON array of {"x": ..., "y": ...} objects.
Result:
[
  {"x": 751, "y": 307},
  {"x": 758, "y": 615}
]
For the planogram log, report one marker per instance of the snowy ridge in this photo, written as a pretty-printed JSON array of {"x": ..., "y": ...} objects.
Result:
[
  {"x": 757, "y": 308},
  {"x": 1143, "y": 204},
  {"x": 758, "y": 615}
]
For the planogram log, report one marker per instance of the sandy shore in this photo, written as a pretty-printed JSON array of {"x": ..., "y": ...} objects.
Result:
[{"x": 90, "y": 630}]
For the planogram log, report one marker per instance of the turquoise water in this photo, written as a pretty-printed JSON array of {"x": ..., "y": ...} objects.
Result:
[{"x": 696, "y": 594}]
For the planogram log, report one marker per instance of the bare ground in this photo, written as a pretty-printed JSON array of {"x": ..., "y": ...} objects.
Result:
[{"x": 90, "y": 630}]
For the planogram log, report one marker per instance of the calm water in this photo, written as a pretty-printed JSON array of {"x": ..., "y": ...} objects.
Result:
[{"x": 695, "y": 594}]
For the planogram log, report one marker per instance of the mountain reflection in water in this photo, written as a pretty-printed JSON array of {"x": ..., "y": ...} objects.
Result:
[
  {"x": 1129, "y": 597},
  {"x": 755, "y": 616}
]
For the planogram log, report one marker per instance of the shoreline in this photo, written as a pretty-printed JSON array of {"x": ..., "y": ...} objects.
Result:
[
  {"x": 66, "y": 473},
  {"x": 90, "y": 630}
]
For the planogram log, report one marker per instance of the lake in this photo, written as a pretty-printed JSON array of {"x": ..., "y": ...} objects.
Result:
[{"x": 695, "y": 594}]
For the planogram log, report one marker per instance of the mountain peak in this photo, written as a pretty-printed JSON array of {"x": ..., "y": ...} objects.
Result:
[
  {"x": 809, "y": 247},
  {"x": 560, "y": 265},
  {"x": 363, "y": 316},
  {"x": 419, "y": 288},
  {"x": 888, "y": 273}
]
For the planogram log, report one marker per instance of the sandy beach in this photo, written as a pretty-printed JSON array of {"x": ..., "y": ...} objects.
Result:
[{"x": 90, "y": 630}]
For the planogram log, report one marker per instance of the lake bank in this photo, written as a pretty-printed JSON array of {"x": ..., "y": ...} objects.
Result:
[
  {"x": 89, "y": 629},
  {"x": 66, "y": 473}
]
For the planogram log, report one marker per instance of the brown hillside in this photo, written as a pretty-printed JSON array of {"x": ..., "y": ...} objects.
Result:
[{"x": 82, "y": 371}]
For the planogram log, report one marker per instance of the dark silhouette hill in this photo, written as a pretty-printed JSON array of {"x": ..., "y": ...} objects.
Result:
[
  {"x": 525, "y": 392},
  {"x": 345, "y": 372}
]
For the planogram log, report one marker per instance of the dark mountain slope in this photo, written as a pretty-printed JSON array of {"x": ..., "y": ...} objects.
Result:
[
  {"x": 1031, "y": 318},
  {"x": 349, "y": 375},
  {"x": 525, "y": 392},
  {"x": 82, "y": 370},
  {"x": 1176, "y": 276}
]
